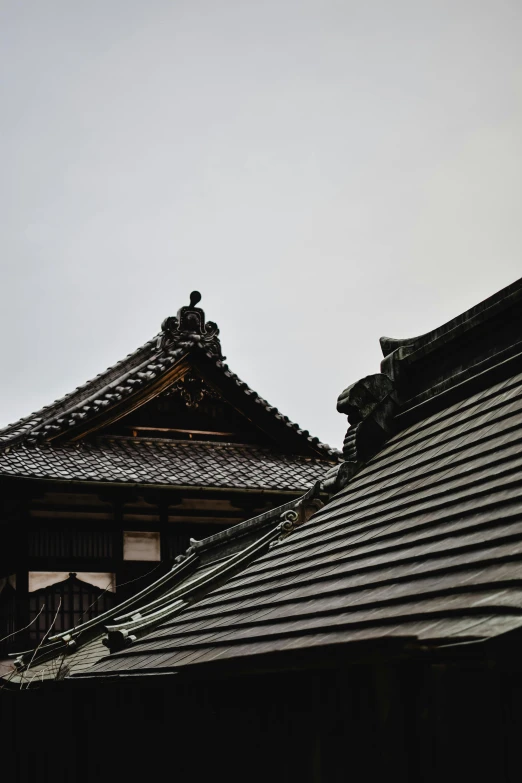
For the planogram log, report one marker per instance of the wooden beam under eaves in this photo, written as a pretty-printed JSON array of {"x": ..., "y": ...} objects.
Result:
[{"x": 127, "y": 405}]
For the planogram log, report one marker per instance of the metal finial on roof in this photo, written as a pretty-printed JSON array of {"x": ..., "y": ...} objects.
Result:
[{"x": 195, "y": 297}]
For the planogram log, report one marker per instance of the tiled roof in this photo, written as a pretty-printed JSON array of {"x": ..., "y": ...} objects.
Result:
[
  {"x": 20, "y": 429},
  {"x": 122, "y": 384},
  {"x": 425, "y": 543},
  {"x": 59, "y": 665},
  {"x": 186, "y": 463}
]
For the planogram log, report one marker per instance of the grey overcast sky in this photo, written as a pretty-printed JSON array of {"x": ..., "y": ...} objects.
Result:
[{"x": 323, "y": 172}]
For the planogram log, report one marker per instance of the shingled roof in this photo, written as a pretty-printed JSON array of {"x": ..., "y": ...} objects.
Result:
[
  {"x": 423, "y": 543},
  {"x": 41, "y": 445},
  {"x": 165, "y": 462}
]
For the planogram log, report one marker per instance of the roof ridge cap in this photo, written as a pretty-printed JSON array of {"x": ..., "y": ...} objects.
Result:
[{"x": 478, "y": 313}]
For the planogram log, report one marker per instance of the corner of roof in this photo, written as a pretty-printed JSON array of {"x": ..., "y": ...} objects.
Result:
[
  {"x": 483, "y": 340},
  {"x": 179, "y": 335}
]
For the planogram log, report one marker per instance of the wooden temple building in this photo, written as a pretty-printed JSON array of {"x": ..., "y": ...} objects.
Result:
[
  {"x": 103, "y": 489},
  {"x": 373, "y": 636}
]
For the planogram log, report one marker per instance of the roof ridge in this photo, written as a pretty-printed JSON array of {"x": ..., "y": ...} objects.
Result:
[
  {"x": 179, "y": 336},
  {"x": 479, "y": 312}
]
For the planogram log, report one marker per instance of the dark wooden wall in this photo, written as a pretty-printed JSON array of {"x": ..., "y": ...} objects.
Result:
[{"x": 406, "y": 721}]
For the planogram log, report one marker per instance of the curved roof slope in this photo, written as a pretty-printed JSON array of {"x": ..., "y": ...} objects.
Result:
[
  {"x": 24, "y": 429},
  {"x": 424, "y": 543}
]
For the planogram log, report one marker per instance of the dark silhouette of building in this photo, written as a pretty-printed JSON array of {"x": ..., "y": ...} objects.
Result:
[{"x": 374, "y": 636}]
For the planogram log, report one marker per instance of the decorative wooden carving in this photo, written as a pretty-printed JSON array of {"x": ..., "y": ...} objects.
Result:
[
  {"x": 370, "y": 405},
  {"x": 192, "y": 390}
]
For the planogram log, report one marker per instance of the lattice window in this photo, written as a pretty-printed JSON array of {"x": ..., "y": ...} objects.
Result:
[
  {"x": 65, "y": 605},
  {"x": 70, "y": 543}
]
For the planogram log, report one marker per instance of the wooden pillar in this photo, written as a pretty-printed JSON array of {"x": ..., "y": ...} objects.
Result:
[
  {"x": 22, "y": 639},
  {"x": 162, "y": 500},
  {"x": 117, "y": 533},
  {"x": 116, "y": 501},
  {"x": 117, "y": 543},
  {"x": 163, "y": 509}
]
